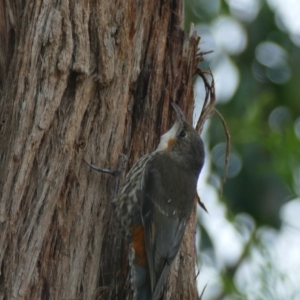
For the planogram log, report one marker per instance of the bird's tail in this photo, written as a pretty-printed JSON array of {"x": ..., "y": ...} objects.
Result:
[
  {"x": 142, "y": 283},
  {"x": 161, "y": 282}
]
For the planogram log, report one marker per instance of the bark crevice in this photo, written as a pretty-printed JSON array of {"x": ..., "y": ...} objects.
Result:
[{"x": 83, "y": 79}]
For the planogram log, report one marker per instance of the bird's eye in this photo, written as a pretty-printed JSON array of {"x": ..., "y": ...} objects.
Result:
[{"x": 182, "y": 133}]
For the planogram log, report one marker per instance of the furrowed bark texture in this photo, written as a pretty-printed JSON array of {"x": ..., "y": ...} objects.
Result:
[{"x": 83, "y": 79}]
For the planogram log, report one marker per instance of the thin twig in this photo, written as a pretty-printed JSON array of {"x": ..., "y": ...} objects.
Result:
[
  {"x": 210, "y": 98},
  {"x": 228, "y": 138},
  {"x": 208, "y": 109},
  {"x": 200, "y": 298},
  {"x": 201, "y": 203}
]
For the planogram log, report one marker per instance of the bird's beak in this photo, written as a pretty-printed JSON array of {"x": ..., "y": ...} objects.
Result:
[{"x": 179, "y": 113}]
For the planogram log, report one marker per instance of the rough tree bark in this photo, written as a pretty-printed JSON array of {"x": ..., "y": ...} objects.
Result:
[{"x": 83, "y": 79}]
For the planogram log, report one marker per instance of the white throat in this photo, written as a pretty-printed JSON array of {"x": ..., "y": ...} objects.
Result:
[{"x": 164, "y": 140}]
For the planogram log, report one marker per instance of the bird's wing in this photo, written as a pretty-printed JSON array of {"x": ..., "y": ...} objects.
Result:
[{"x": 168, "y": 195}]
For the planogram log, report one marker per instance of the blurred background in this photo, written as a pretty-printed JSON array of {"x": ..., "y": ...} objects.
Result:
[{"x": 249, "y": 242}]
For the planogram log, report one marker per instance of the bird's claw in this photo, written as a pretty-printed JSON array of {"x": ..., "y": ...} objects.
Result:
[{"x": 116, "y": 173}]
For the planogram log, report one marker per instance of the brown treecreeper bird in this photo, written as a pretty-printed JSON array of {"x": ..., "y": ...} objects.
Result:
[{"x": 155, "y": 204}]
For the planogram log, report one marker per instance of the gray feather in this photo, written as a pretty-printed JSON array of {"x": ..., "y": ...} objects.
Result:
[{"x": 165, "y": 213}]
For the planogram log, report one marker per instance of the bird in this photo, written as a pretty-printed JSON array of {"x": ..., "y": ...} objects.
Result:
[{"x": 155, "y": 204}]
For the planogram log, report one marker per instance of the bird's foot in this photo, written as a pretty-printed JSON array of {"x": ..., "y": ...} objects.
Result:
[{"x": 116, "y": 173}]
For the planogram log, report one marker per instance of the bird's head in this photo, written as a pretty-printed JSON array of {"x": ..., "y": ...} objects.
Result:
[{"x": 183, "y": 143}]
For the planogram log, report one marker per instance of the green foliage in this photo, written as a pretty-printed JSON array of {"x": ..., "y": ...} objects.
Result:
[
  {"x": 262, "y": 115},
  {"x": 266, "y": 142}
]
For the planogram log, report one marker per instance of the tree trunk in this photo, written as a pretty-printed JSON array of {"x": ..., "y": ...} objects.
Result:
[{"x": 83, "y": 79}]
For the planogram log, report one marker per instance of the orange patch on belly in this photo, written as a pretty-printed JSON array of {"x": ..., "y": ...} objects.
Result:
[
  {"x": 170, "y": 143},
  {"x": 138, "y": 244}
]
